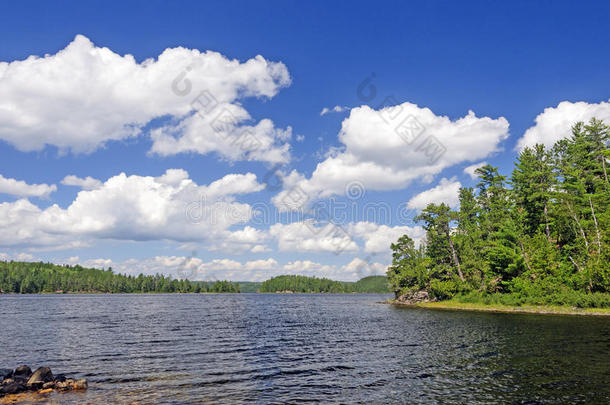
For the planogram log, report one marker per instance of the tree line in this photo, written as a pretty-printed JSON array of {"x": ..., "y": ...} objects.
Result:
[
  {"x": 305, "y": 284},
  {"x": 541, "y": 236},
  {"x": 39, "y": 277},
  {"x": 32, "y": 278}
]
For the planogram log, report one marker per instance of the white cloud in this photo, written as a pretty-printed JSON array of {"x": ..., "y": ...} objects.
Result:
[
  {"x": 22, "y": 189},
  {"x": 84, "y": 96},
  {"x": 378, "y": 157},
  {"x": 555, "y": 123},
  {"x": 260, "y": 249},
  {"x": 335, "y": 109},
  {"x": 195, "y": 268},
  {"x": 18, "y": 257},
  {"x": 19, "y": 221},
  {"x": 447, "y": 191},
  {"x": 308, "y": 236},
  {"x": 470, "y": 170},
  {"x": 305, "y": 236},
  {"x": 378, "y": 238},
  {"x": 87, "y": 183},
  {"x": 140, "y": 208}
]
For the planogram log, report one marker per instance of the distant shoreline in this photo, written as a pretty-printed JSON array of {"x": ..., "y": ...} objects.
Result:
[
  {"x": 505, "y": 309},
  {"x": 193, "y": 293}
]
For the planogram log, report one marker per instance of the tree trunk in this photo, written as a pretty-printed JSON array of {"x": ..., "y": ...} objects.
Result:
[
  {"x": 455, "y": 258},
  {"x": 525, "y": 256},
  {"x": 582, "y": 232},
  {"x": 546, "y": 222},
  {"x": 599, "y": 239}
]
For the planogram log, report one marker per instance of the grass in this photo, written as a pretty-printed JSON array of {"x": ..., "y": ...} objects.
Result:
[{"x": 501, "y": 308}]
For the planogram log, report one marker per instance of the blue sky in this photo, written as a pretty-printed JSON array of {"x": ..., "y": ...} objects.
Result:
[{"x": 519, "y": 66}]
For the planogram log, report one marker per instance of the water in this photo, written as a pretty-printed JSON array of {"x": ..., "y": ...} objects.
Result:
[{"x": 293, "y": 348}]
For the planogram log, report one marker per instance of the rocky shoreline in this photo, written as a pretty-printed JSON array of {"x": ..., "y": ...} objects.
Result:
[
  {"x": 413, "y": 298},
  {"x": 22, "y": 379}
]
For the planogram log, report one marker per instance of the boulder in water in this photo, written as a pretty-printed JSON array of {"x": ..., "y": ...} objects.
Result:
[
  {"x": 41, "y": 375},
  {"x": 22, "y": 372}
]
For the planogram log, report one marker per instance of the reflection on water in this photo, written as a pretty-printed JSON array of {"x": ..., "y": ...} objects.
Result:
[{"x": 155, "y": 349}]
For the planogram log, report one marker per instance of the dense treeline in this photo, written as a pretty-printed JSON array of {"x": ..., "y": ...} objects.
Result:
[
  {"x": 304, "y": 284},
  {"x": 371, "y": 284},
  {"x": 31, "y": 278},
  {"x": 541, "y": 237}
]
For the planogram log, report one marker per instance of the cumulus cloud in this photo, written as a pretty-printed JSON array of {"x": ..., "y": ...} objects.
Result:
[
  {"x": 447, "y": 191},
  {"x": 141, "y": 208},
  {"x": 87, "y": 183},
  {"x": 335, "y": 109},
  {"x": 387, "y": 149},
  {"x": 378, "y": 238},
  {"x": 555, "y": 123},
  {"x": 309, "y": 236},
  {"x": 194, "y": 268},
  {"x": 21, "y": 227},
  {"x": 85, "y": 96},
  {"x": 22, "y": 189},
  {"x": 18, "y": 257},
  {"x": 470, "y": 170}
]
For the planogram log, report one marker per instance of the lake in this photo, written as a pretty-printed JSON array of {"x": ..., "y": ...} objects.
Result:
[{"x": 300, "y": 348}]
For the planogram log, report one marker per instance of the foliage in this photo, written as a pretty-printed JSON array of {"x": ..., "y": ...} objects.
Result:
[
  {"x": 248, "y": 286},
  {"x": 540, "y": 237},
  {"x": 31, "y": 278},
  {"x": 304, "y": 284},
  {"x": 370, "y": 284}
]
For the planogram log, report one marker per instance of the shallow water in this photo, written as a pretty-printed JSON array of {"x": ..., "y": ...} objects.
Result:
[{"x": 294, "y": 348}]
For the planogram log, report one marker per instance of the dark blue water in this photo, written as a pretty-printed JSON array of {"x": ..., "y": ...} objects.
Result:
[{"x": 258, "y": 348}]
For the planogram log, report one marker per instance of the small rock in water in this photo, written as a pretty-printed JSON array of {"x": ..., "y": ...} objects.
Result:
[
  {"x": 60, "y": 377},
  {"x": 41, "y": 381},
  {"x": 70, "y": 384}
]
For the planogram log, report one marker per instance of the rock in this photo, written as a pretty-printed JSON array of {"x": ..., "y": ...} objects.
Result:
[
  {"x": 23, "y": 372},
  {"x": 60, "y": 377},
  {"x": 13, "y": 388},
  {"x": 41, "y": 375},
  {"x": 5, "y": 373},
  {"x": 81, "y": 384},
  {"x": 62, "y": 385},
  {"x": 414, "y": 297},
  {"x": 71, "y": 384},
  {"x": 41, "y": 381}
]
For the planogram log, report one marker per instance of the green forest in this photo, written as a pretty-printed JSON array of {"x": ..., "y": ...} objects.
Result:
[
  {"x": 540, "y": 236},
  {"x": 304, "y": 284},
  {"x": 32, "y": 278}
]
